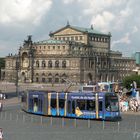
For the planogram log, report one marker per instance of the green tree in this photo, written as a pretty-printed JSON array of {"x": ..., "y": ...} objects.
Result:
[
  {"x": 128, "y": 80},
  {"x": 2, "y": 65}
]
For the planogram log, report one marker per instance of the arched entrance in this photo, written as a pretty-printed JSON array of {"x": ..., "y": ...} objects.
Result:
[
  {"x": 25, "y": 60},
  {"x": 89, "y": 77},
  {"x": 23, "y": 77}
]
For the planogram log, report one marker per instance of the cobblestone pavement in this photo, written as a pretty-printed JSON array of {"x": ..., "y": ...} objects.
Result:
[
  {"x": 12, "y": 101},
  {"x": 6, "y": 87},
  {"x": 18, "y": 125}
]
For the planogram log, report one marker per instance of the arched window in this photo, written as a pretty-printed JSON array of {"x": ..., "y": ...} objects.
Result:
[
  {"x": 64, "y": 64},
  {"x": 49, "y": 78},
  {"x": 64, "y": 75},
  {"x": 63, "y": 47},
  {"x": 43, "y": 74},
  {"x": 57, "y": 78},
  {"x": 89, "y": 76},
  {"x": 63, "y": 78},
  {"x": 43, "y": 80},
  {"x": 37, "y": 74},
  {"x": 49, "y": 74},
  {"x": 43, "y": 64},
  {"x": 37, "y": 63},
  {"x": 37, "y": 79},
  {"x": 57, "y": 64},
  {"x": 50, "y": 64}
]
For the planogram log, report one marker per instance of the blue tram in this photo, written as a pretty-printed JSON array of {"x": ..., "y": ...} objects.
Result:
[{"x": 86, "y": 105}]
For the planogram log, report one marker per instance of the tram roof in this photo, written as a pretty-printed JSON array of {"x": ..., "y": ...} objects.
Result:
[{"x": 73, "y": 93}]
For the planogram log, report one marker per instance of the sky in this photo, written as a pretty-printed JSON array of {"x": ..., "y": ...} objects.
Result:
[{"x": 19, "y": 18}]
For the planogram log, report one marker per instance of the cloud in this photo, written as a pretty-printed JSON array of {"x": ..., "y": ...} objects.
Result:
[
  {"x": 18, "y": 18},
  {"x": 124, "y": 40},
  {"x": 135, "y": 29},
  {"x": 23, "y": 11},
  {"x": 125, "y": 12},
  {"x": 102, "y": 21},
  {"x": 7, "y": 47},
  {"x": 118, "y": 11},
  {"x": 93, "y": 7},
  {"x": 70, "y": 1},
  {"x": 122, "y": 17}
]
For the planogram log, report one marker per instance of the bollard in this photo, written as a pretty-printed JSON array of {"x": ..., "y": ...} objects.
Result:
[
  {"x": 75, "y": 122},
  {"x": 118, "y": 126},
  {"x": 17, "y": 118},
  {"x": 5, "y": 115},
  {"x": 135, "y": 126},
  {"x": 10, "y": 116},
  {"x": 63, "y": 122},
  {"x": 23, "y": 118},
  {"x": 1, "y": 115},
  {"x": 31, "y": 118},
  {"x": 103, "y": 124},
  {"x": 41, "y": 120},
  {"x": 88, "y": 123},
  {"x": 51, "y": 121}
]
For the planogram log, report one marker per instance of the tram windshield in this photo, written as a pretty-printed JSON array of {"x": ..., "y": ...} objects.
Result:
[{"x": 112, "y": 103}]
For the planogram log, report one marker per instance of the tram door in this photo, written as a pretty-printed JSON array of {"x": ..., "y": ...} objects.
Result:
[
  {"x": 36, "y": 104},
  {"x": 101, "y": 110},
  {"x": 99, "y": 107}
]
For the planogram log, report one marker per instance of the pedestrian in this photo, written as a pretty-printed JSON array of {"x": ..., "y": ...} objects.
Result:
[
  {"x": 1, "y": 134},
  {"x": 1, "y": 96},
  {"x": 0, "y": 106},
  {"x": 137, "y": 95},
  {"x": 136, "y": 106}
]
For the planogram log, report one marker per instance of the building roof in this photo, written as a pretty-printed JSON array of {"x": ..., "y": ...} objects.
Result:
[
  {"x": 88, "y": 30},
  {"x": 50, "y": 41},
  {"x": 82, "y": 29}
]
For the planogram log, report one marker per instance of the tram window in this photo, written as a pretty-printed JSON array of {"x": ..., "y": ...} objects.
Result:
[
  {"x": 111, "y": 88},
  {"x": 40, "y": 104},
  {"x": 53, "y": 103},
  {"x": 35, "y": 106},
  {"x": 73, "y": 107},
  {"x": 23, "y": 98},
  {"x": 81, "y": 104},
  {"x": 69, "y": 106},
  {"x": 36, "y": 101},
  {"x": 31, "y": 104},
  {"x": 100, "y": 105},
  {"x": 107, "y": 104},
  {"x": 90, "y": 105},
  {"x": 61, "y": 103}
]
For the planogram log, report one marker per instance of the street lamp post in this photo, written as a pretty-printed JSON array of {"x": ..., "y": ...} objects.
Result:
[
  {"x": 17, "y": 78},
  {"x": 31, "y": 57},
  {"x": 96, "y": 67}
]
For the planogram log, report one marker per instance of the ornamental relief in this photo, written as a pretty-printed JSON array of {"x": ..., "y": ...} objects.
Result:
[{"x": 68, "y": 31}]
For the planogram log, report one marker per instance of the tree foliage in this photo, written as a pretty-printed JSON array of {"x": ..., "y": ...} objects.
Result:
[
  {"x": 128, "y": 80},
  {"x": 2, "y": 63}
]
